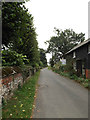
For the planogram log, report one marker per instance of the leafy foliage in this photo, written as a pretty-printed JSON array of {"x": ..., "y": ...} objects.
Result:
[
  {"x": 19, "y": 33},
  {"x": 13, "y": 22},
  {"x": 69, "y": 66},
  {"x": 43, "y": 57},
  {"x": 63, "y": 42},
  {"x": 12, "y": 58},
  {"x": 51, "y": 62}
]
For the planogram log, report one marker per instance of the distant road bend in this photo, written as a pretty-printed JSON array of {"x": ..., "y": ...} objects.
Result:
[{"x": 59, "y": 97}]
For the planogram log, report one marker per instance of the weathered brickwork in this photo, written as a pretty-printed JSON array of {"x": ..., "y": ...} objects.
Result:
[
  {"x": 11, "y": 79},
  {"x": 88, "y": 73},
  {"x": 0, "y": 94},
  {"x": 11, "y": 83}
]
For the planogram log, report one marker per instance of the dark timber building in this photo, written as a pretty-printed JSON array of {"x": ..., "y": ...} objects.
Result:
[{"x": 81, "y": 56}]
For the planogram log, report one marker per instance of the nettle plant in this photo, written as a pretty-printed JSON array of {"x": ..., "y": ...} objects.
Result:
[{"x": 12, "y": 58}]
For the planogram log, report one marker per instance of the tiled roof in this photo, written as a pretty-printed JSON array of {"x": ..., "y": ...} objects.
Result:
[{"x": 79, "y": 45}]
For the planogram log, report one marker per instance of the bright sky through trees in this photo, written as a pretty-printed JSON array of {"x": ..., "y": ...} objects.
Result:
[{"x": 62, "y": 14}]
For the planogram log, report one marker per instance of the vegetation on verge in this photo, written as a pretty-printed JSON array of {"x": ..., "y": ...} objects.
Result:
[
  {"x": 21, "y": 104},
  {"x": 68, "y": 71}
]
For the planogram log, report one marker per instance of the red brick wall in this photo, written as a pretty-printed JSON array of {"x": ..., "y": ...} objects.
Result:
[
  {"x": 7, "y": 80},
  {"x": 10, "y": 83},
  {"x": 88, "y": 73}
]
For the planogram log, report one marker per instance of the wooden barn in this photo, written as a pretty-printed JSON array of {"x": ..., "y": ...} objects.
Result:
[{"x": 81, "y": 56}]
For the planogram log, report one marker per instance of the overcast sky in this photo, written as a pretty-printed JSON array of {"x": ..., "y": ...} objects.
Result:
[{"x": 62, "y": 14}]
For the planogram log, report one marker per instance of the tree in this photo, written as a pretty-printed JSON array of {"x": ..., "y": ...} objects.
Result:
[
  {"x": 18, "y": 31},
  {"x": 64, "y": 41},
  {"x": 43, "y": 57},
  {"x": 12, "y": 14},
  {"x": 51, "y": 62}
]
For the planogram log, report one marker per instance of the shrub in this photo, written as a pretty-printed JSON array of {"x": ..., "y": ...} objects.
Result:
[
  {"x": 86, "y": 85},
  {"x": 62, "y": 68},
  {"x": 12, "y": 58},
  {"x": 80, "y": 79},
  {"x": 69, "y": 66},
  {"x": 74, "y": 77},
  {"x": 26, "y": 71},
  {"x": 41, "y": 64},
  {"x": 86, "y": 80}
]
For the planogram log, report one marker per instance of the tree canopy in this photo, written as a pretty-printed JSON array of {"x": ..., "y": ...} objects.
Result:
[
  {"x": 43, "y": 57},
  {"x": 18, "y": 31},
  {"x": 64, "y": 41}
]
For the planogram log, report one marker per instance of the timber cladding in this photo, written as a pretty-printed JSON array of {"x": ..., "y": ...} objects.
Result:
[{"x": 81, "y": 55}]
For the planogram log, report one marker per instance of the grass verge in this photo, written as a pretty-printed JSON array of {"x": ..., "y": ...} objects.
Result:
[
  {"x": 21, "y": 104},
  {"x": 82, "y": 81}
]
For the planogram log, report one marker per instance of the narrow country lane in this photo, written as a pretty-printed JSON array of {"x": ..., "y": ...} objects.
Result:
[{"x": 60, "y": 97}]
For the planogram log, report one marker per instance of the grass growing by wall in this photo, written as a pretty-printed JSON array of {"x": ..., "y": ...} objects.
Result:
[{"x": 21, "y": 104}]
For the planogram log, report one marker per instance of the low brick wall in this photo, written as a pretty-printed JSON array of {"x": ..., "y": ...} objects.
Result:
[
  {"x": 12, "y": 81},
  {"x": 0, "y": 95}
]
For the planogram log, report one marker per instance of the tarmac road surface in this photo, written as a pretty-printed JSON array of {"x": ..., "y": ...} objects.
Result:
[{"x": 60, "y": 97}]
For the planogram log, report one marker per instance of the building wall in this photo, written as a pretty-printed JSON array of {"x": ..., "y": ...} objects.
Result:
[
  {"x": 88, "y": 61},
  {"x": 88, "y": 68},
  {"x": 82, "y": 54},
  {"x": 83, "y": 57}
]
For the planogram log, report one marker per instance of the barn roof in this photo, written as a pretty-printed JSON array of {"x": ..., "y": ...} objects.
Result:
[{"x": 79, "y": 45}]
